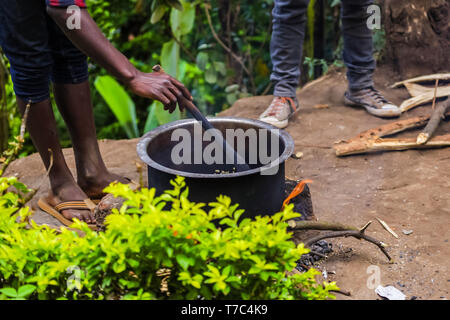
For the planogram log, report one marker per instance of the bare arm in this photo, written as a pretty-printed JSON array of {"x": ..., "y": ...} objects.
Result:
[{"x": 89, "y": 39}]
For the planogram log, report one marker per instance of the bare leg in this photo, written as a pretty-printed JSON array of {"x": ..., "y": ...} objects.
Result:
[
  {"x": 74, "y": 103},
  {"x": 42, "y": 128}
]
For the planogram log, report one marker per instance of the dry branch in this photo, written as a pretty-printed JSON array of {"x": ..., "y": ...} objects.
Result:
[
  {"x": 360, "y": 147},
  {"x": 435, "y": 93},
  {"x": 424, "y": 98},
  {"x": 314, "y": 225},
  {"x": 387, "y": 228},
  {"x": 436, "y": 117},
  {"x": 416, "y": 89},
  {"x": 343, "y": 292},
  {"x": 431, "y": 77},
  {"x": 350, "y": 233},
  {"x": 371, "y": 140},
  {"x": 336, "y": 230},
  {"x": 17, "y": 146},
  {"x": 224, "y": 46}
]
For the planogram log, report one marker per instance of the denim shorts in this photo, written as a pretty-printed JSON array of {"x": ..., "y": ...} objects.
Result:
[{"x": 38, "y": 51}]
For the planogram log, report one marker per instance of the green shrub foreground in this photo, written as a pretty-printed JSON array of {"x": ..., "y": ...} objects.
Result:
[{"x": 151, "y": 252}]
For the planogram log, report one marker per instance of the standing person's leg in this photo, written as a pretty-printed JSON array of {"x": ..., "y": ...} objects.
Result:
[
  {"x": 358, "y": 43},
  {"x": 358, "y": 57},
  {"x": 286, "y": 46},
  {"x": 28, "y": 53},
  {"x": 42, "y": 128},
  {"x": 73, "y": 98}
]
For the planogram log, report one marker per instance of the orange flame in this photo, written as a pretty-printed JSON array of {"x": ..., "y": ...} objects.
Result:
[{"x": 297, "y": 190}]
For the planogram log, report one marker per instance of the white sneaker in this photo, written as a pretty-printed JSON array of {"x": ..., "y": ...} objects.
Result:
[{"x": 279, "y": 111}]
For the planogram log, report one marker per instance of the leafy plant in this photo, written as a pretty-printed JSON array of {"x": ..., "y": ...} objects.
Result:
[
  {"x": 21, "y": 294},
  {"x": 311, "y": 63},
  {"x": 163, "y": 247},
  {"x": 120, "y": 103}
]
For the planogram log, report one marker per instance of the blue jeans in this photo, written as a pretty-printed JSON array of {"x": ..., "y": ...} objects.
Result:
[
  {"x": 38, "y": 51},
  {"x": 286, "y": 46}
]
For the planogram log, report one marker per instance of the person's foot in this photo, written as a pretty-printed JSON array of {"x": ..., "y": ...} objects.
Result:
[
  {"x": 94, "y": 186},
  {"x": 373, "y": 101},
  {"x": 71, "y": 192},
  {"x": 279, "y": 111}
]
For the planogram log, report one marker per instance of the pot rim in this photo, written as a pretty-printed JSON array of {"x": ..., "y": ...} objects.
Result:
[{"x": 149, "y": 136}]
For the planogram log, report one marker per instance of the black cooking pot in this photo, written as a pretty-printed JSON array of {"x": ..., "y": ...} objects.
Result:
[{"x": 260, "y": 190}]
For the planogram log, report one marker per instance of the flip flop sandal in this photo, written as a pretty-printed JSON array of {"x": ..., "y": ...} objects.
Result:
[
  {"x": 76, "y": 204},
  {"x": 133, "y": 184}
]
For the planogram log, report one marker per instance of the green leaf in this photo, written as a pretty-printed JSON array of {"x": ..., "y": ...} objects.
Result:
[
  {"x": 202, "y": 60},
  {"x": 157, "y": 14},
  {"x": 164, "y": 116},
  {"x": 184, "y": 261},
  {"x": 170, "y": 56},
  {"x": 26, "y": 290},
  {"x": 231, "y": 98},
  {"x": 182, "y": 20},
  {"x": 133, "y": 263},
  {"x": 152, "y": 121},
  {"x": 10, "y": 292},
  {"x": 175, "y": 3},
  {"x": 220, "y": 67},
  {"x": 211, "y": 75},
  {"x": 120, "y": 104},
  {"x": 232, "y": 88}
]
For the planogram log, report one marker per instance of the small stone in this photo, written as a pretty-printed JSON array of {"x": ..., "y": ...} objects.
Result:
[
  {"x": 407, "y": 232},
  {"x": 297, "y": 155}
]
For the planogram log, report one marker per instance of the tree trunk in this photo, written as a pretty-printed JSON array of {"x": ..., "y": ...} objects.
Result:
[{"x": 417, "y": 36}]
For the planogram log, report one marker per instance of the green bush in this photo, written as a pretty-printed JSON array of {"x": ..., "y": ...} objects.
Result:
[{"x": 162, "y": 247}]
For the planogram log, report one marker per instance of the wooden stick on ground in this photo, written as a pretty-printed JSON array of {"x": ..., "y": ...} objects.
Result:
[
  {"x": 415, "y": 90},
  {"x": 436, "y": 117},
  {"x": 356, "y": 234},
  {"x": 337, "y": 230},
  {"x": 315, "y": 225},
  {"x": 424, "y": 98},
  {"x": 435, "y": 93},
  {"x": 437, "y": 76},
  {"x": 387, "y": 228},
  {"x": 343, "y": 292},
  {"x": 371, "y": 140}
]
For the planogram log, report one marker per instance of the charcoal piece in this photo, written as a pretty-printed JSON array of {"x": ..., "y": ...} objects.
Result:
[{"x": 302, "y": 202}]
